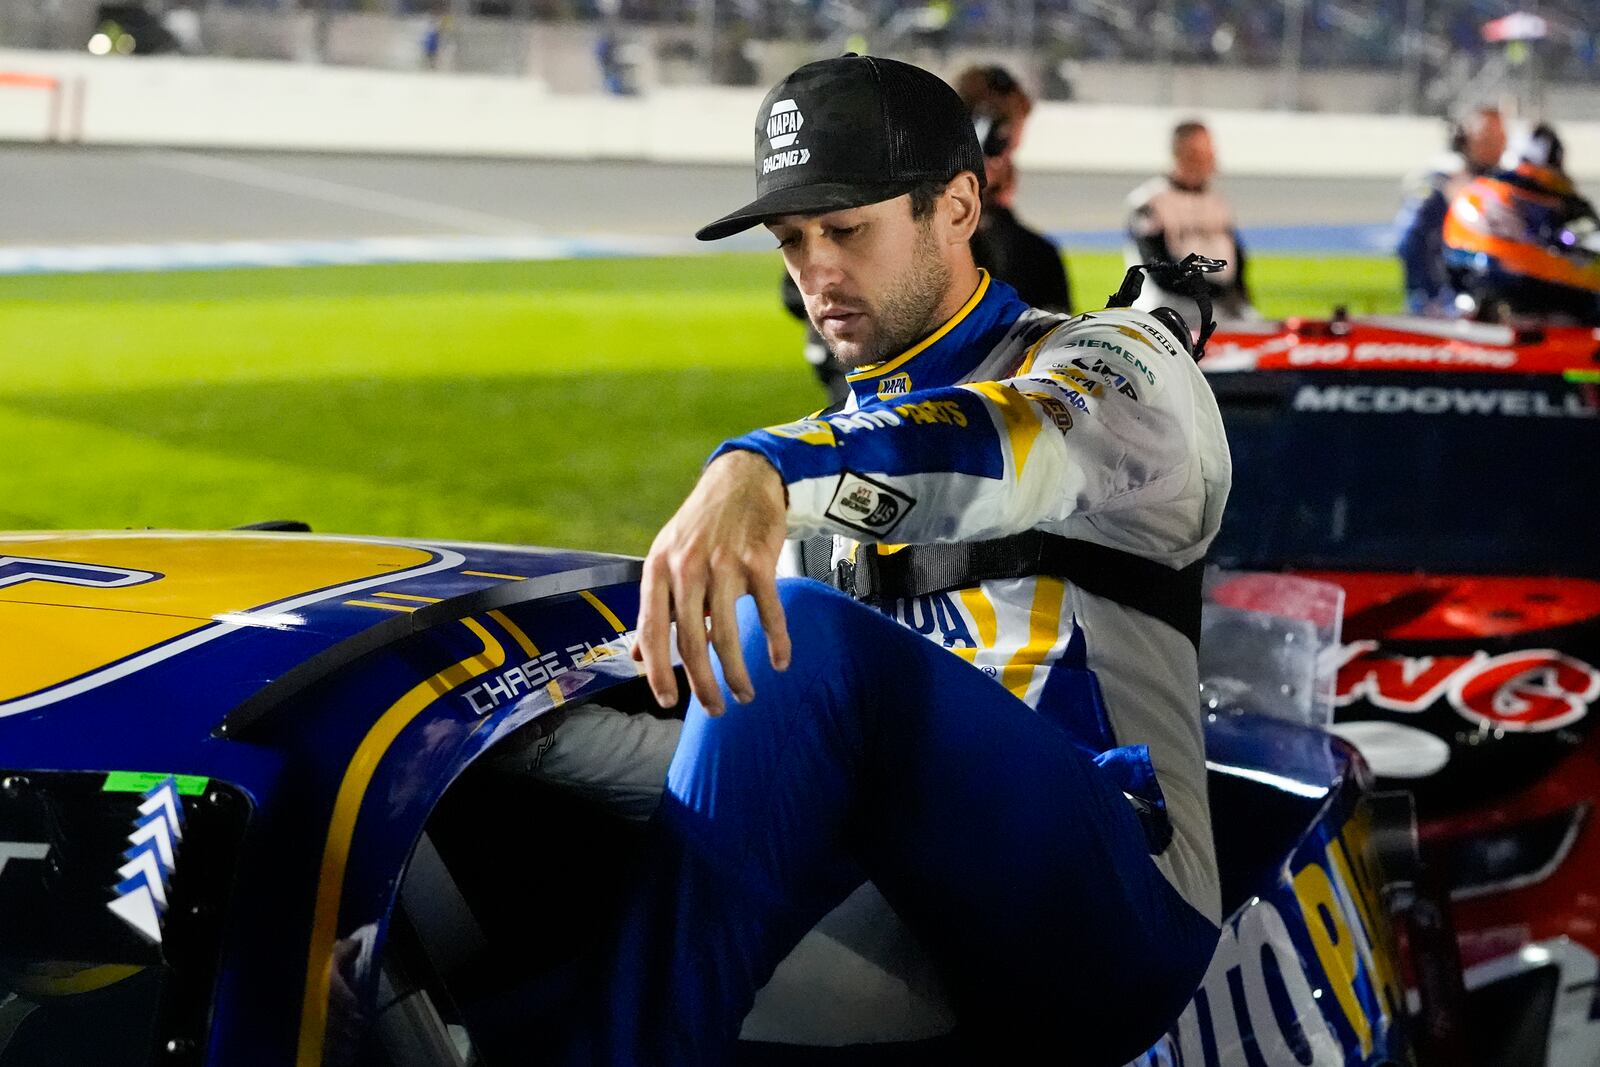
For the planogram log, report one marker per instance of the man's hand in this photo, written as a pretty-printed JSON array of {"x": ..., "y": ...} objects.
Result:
[{"x": 723, "y": 543}]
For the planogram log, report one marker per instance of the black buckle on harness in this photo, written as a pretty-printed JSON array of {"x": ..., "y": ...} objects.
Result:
[
  {"x": 1188, "y": 278},
  {"x": 858, "y": 578}
]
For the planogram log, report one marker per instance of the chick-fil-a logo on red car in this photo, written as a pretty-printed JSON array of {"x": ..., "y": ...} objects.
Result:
[{"x": 1530, "y": 690}]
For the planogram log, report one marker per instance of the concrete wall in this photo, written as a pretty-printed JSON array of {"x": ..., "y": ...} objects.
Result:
[{"x": 273, "y": 105}]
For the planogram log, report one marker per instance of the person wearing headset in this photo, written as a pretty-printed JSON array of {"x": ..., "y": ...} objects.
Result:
[{"x": 1021, "y": 257}]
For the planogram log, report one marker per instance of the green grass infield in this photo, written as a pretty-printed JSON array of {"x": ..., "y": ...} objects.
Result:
[{"x": 562, "y": 403}]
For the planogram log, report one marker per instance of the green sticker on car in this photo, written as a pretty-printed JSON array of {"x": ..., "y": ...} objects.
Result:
[{"x": 189, "y": 785}]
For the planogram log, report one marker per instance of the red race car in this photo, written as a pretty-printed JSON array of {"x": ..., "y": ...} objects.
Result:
[{"x": 1447, "y": 477}]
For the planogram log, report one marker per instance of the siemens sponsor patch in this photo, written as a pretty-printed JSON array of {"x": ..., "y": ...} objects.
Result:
[
  {"x": 1433, "y": 400},
  {"x": 863, "y": 504},
  {"x": 1131, "y": 359}
]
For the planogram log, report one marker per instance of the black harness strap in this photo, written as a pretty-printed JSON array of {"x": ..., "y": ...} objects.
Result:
[{"x": 1167, "y": 595}]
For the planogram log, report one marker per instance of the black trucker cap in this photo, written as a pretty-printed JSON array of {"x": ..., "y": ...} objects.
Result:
[{"x": 850, "y": 131}]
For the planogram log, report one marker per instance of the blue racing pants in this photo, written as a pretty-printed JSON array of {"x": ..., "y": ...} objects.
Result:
[{"x": 880, "y": 755}]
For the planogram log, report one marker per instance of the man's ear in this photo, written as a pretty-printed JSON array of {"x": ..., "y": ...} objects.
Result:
[{"x": 962, "y": 205}]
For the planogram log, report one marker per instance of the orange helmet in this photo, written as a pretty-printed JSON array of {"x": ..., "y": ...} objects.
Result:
[{"x": 1516, "y": 238}]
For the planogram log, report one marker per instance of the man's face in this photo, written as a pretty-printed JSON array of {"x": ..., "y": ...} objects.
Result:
[
  {"x": 874, "y": 279},
  {"x": 1486, "y": 139},
  {"x": 1195, "y": 157}
]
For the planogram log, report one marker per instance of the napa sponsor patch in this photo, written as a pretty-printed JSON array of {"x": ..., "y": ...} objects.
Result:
[
  {"x": 894, "y": 385},
  {"x": 783, "y": 124},
  {"x": 866, "y": 505}
]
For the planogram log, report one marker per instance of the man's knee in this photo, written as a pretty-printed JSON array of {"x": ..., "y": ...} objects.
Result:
[
  {"x": 809, "y": 598},
  {"x": 821, "y": 615}
]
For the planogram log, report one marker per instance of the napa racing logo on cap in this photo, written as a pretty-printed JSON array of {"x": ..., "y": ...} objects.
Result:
[
  {"x": 863, "y": 504},
  {"x": 783, "y": 130}
]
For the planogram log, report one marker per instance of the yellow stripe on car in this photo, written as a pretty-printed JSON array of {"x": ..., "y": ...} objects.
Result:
[
  {"x": 341, "y": 829},
  {"x": 378, "y": 604},
  {"x": 605, "y": 612},
  {"x": 529, "y": 649}
]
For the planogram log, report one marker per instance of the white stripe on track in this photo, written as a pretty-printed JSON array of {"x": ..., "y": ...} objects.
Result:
[{"x": 331, "y": 192}]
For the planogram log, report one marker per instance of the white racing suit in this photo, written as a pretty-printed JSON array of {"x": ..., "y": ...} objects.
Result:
[{"x": 1100, "y": 428}]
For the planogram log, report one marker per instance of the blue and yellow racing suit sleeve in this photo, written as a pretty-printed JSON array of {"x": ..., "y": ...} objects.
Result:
[{"x": 1099, "y": 416}]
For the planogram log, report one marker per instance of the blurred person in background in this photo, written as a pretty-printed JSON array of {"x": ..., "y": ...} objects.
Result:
[
  {"x": 1022, "y": 258},
  {"x": 1176, "y": 214},
  {"x": 1520, "y": 242},
  {"x": 1476, "y": 144}
]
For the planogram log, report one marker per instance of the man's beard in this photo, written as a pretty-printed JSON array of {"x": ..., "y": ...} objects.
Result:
[{"x": 908, "y": 312}]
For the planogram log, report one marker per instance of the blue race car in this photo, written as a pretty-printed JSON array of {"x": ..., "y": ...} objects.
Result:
[{"x": 249, "y": 816}]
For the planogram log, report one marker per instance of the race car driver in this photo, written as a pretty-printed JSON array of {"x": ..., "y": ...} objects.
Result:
[
  {"x": 1521, "y": 243},
  {"x": 1021, "y": 257},
  {"x": 1009, "y": 746}
]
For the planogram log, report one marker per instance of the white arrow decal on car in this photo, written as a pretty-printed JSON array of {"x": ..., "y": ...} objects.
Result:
[{"x": 142, "y": 890}]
